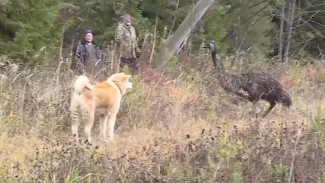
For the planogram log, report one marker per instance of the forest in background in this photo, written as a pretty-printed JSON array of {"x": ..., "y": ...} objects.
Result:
[
  {"x": 176, "y": 125},
  {"x": 32, "y": 30}
]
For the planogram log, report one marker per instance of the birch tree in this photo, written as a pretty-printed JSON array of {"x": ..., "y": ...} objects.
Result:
[
  {"x": 280, "y": 37},
  {"x": 183, "y": 32},
  {"x": 290, "y": 19}
]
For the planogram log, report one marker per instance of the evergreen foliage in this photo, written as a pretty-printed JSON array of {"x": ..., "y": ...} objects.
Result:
[
  {"x": 29, "y": 28},
  {"x": 32, "y": 29}
]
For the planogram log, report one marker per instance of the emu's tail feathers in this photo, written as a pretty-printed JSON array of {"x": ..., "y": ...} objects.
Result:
[{"x": 81, "y": 83}]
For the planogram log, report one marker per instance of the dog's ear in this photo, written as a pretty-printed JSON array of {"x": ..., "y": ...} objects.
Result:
[{"x": 128, "y": 76}]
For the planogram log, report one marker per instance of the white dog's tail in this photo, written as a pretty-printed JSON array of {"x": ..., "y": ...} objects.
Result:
[{"x": 81, "y": 83}]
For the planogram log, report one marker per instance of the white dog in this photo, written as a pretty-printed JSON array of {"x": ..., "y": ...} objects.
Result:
[{"x": 104, "y": 97}]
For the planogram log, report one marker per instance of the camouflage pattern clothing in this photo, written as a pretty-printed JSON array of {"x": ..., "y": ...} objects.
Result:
[
  {"x": 126, "y": 37},
  {"x": 87, "y": 56}
]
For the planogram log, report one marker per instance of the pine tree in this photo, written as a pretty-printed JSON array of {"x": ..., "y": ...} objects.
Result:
[{"x": 31, "y": 28}]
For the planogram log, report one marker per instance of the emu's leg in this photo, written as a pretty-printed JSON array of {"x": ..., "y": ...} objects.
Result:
[
  {"x": 254, "y": 109},
  {"x": 272, "y": 104}
]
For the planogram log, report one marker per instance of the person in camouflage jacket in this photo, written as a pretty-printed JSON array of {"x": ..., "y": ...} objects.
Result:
[
  {"x": 126, "y": 43},
  {"x": 88, "y": 54}
]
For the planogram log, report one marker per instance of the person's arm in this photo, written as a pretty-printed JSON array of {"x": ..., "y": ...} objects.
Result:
[
  {"x": 78, "y": 57},
  {"x": 98, "y": 55},
  {"x": 137, "y": 49},
  {"x": 118, "y": 38}
]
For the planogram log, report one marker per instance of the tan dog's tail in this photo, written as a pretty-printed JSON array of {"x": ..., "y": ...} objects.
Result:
[{"x": 81, "y": 83}]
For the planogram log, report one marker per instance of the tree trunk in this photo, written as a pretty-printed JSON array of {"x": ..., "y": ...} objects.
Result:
[
  {"x": 183, "y": 32},
  {"x": 291, "y": 13},
  {"x": 280, "y": 41}
]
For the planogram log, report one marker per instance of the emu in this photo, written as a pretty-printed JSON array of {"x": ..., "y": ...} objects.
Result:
[{"x": 252, "y": 86}]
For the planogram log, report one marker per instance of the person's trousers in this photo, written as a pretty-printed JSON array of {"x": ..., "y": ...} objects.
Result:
[{"x": 130, "y": 62}]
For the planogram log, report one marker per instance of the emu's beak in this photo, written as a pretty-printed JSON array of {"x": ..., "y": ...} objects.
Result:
[{"x": 205, "y": 46}]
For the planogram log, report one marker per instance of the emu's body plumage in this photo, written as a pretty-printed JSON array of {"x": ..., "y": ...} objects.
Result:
[{"x": 252, "y": 86}]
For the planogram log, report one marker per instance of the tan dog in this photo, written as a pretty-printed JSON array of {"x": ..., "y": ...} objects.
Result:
[{"x": 104, "y": 97}]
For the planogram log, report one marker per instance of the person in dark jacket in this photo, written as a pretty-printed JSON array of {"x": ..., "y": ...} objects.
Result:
[{"x": 88, "y": 54}]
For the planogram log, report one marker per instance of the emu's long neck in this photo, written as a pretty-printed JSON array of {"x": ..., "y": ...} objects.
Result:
[
  {"x": 219, "y": 67},
  {"x": 226, "y": 81}
]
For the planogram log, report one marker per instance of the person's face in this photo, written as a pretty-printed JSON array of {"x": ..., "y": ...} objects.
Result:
[
  {"x": 89, "y": 37},
  {"x": 127, "y": 21}
]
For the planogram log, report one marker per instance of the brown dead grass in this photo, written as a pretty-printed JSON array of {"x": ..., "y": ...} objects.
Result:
[{"x": 166, "y": 112}]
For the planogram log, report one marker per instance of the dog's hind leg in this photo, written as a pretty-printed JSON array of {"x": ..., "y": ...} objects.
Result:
[
  {"x": 89, "y": 115},
  {"x": 74, "y": 118},
  {"x": 75, "y": 125}
]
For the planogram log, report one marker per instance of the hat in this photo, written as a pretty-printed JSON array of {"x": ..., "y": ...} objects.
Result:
[
  {"x": 123, "y": 17},
  {"x": 88, "y": 31}
]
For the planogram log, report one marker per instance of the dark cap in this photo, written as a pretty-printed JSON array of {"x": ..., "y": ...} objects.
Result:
[{"x": 88, "y": 31}]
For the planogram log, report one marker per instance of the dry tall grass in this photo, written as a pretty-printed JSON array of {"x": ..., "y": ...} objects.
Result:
[{"x": 178, "y": 126}]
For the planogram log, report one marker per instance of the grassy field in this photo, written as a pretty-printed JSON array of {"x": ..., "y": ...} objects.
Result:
[{"x": 176, "y": 126}]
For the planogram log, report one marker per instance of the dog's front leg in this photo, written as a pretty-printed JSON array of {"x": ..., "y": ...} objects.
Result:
[{"x": 111, "y": 124}]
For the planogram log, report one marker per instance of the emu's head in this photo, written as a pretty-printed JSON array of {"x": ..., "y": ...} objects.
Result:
[
  {"x": 215, "y": 56},
  {"x": 211, "y": 46}
]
